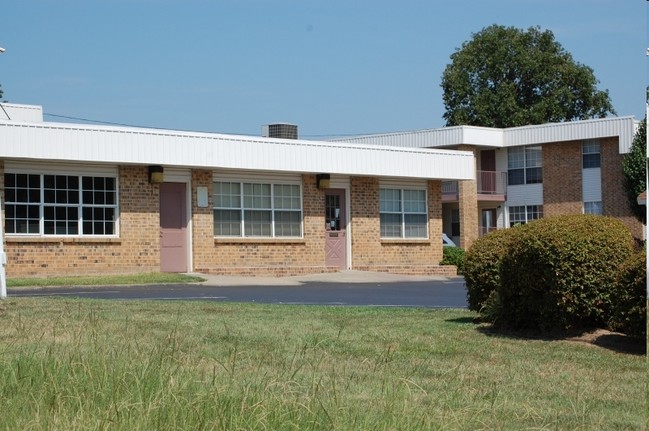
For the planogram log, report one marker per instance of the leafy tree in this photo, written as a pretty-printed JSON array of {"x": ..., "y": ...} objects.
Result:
[
  {"x": 634, "y": 167},
  {"x": 507, "y": 77}
]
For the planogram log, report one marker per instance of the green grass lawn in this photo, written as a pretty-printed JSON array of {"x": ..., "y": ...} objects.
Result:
[
  {"x": 120, "y": 365},
  {"x": 103, "y": 280}
]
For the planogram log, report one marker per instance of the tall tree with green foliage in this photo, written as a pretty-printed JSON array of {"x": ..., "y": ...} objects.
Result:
[
  {"x": 634, "y": 167},
  {"x": 508, "y": 77}
]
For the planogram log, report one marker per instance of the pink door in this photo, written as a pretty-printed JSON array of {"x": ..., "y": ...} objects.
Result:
[
  {"x": 335, "y": 225},
  {"x": 173, "y": 227}
]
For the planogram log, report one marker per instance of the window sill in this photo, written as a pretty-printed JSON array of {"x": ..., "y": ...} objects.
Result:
[
  {"x": 65, "y": 240},
  {"x": 259, "y": 241},
  {"x": 405, "y": 241}
]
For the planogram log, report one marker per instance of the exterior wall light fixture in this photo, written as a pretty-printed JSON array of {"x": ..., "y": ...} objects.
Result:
[
  {"x": 323, "y": 180},
  {"x": 156, "y": 174}
]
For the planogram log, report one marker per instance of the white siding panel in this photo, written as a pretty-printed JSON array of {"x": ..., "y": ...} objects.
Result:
[
  {"x": 592, "y": 185},
  {"x": 51, "y": 141},
  {"x": 528, "y": 194}
]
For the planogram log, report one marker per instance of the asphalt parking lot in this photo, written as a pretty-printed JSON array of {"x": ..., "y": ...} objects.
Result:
[{"x": 346, "y": 288}]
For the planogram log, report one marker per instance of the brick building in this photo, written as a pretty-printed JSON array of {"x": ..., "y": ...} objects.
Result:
[
  {"x": 525, "y": 173},
  {"x": 80, "y": 199}
]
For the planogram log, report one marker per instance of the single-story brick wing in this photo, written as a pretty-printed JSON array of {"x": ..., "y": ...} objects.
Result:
[{"x": 79, "y": 199}]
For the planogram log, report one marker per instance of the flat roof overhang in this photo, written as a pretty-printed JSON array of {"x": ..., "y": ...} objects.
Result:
[{"x": 121, "y": 145}]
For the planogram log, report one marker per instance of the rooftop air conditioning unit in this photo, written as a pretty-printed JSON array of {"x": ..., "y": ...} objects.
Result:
[{"x": 279, "y": 130}]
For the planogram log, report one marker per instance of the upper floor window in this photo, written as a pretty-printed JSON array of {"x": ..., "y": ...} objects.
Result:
[
  {"x": 524, "y": 214},
  {"x": 60, "y": 205},
  {"x": 257, "y": 210},
  {"x": 524, "y": 165},
  {"x": 403, "y": 213},
  {"x": 590, "y": 154}
]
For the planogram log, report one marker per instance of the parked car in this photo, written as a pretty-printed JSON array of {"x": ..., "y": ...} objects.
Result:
[{"x": 446, "y": 241}]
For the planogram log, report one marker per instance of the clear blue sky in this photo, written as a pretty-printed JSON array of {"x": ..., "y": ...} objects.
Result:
[{"x": 334, "y": 67}]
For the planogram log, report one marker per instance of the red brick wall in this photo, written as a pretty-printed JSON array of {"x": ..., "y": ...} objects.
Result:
[
  {"x": 614, "y": 200},
  {"x": 562, "y": 182},
  {"x": 136, "y": 250}
]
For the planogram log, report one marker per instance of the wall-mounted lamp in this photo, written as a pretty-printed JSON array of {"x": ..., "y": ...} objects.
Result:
[
  {"x": 156, "y": 174},
  {"x": 323, "y": 180}
]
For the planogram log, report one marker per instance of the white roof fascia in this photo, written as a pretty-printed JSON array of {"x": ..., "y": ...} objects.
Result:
[
  {"x": 121, "y": 145},
  {"x": 434, "y": 138},
  {"x": 623, "y": 127}
]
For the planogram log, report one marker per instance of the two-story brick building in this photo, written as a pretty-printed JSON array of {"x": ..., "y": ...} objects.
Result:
[
  {"x": 80, "y": 199},
  {"x": 524, "y": 173}
]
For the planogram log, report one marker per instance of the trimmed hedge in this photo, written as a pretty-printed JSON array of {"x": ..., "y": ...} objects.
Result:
[
  {"x": 560, "y": 272},
  {"x": 482, "y": 265},
  {"x": 453, "y": 256},
  {"x": 629, "y": 314}
]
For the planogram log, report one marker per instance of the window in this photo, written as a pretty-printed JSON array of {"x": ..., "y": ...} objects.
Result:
[
  {"x": 257, "y": 210},
  {"x": 524, "y": 214},
  {"x": 60, "y": 205},
  {"x": 593, "y": 208},
  {"x": 455, "y": 222},
  {"x": 403, "y": 213},
  {"x": 524, "y": 165},
  {"x": 590, "y": 154}
]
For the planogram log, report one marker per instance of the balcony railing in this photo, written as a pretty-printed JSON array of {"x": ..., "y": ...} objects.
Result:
[
  {"x": 449, "y": 187},
  {"x": 488, "y": 183},
  {"x": 491, "y": 183}
]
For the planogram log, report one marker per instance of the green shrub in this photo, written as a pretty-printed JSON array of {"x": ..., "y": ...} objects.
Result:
[
  {"x": 453, "y": 256},
  {"x": 482, "y": 265},
  {"x": 629, "y": 314},
  {"x": 560, "y": 272}
]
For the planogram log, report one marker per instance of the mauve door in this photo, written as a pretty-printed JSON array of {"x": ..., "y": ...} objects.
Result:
[{"x": 173, "y": 227}]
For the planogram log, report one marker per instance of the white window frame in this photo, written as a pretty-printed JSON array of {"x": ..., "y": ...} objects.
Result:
[
  {"x": 528, "y": 213},
  {"x": 245, "y": 210},
  {"x": 525, "y": 159},
  {"x": 402, "y": 212},
  {"x": 591, "y": 148},
  {"x": 45, "y": 205}
]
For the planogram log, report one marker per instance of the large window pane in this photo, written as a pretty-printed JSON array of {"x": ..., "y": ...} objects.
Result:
[
  {"x": 415, "y": 226},
  {"x": 287, "y": 197},
  {"x": 414, "y": 201},
  {"x": 288, "y": 223},
  {"x": 524, "y": 165},
  {"x": 403, "y": 213},
  {"x": 516, "y": 177},
  {"x": 516, "y": 158},
  {"x": 390, "y": 200},
  {"x": 257, "y": 223},
  {"x": 534, "y": 175},
  {"x": 590, "y": 154},
  {"x": 257, "y": 209},
  {"x": 227, "y": 222},
  {"x": 524, "y": 214},
  {"x": 60, "y": 204},
  {"x": 391, "y": 226}
]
